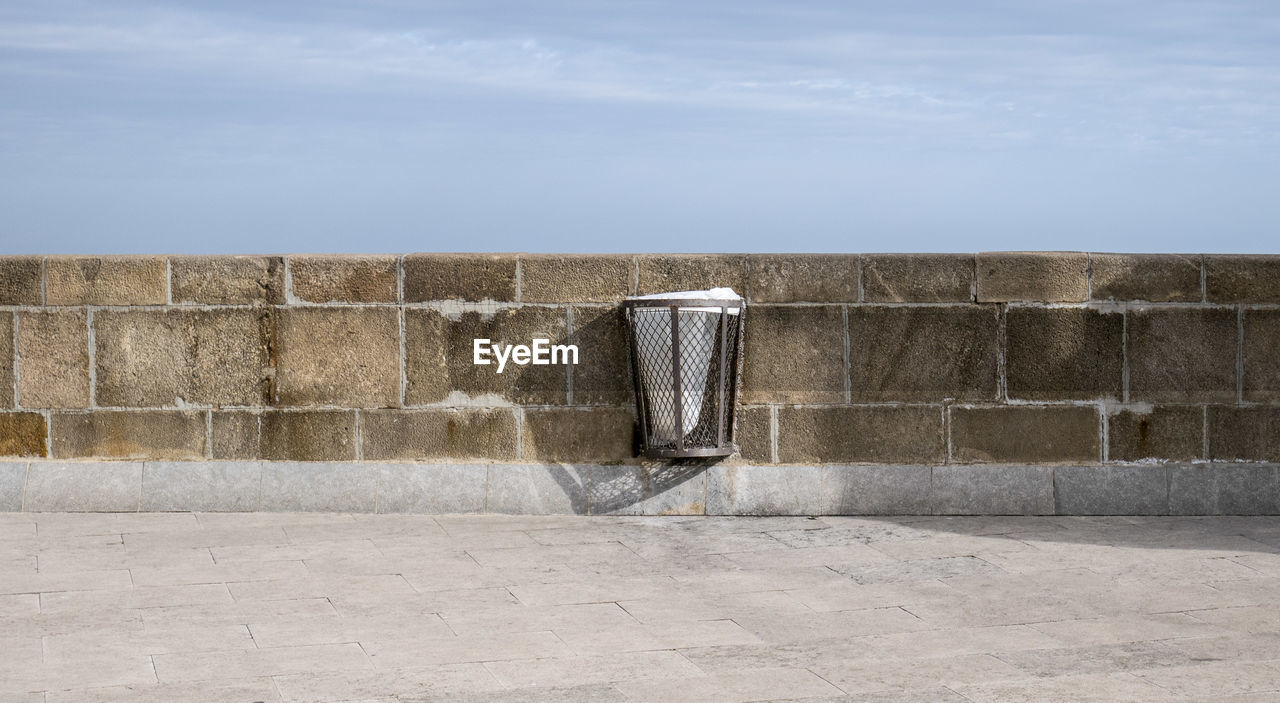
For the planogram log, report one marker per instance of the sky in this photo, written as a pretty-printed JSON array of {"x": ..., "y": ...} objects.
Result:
[{"x": 649, "y": 126}]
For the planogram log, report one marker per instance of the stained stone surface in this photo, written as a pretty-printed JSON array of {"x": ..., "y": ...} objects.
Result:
[{"x": 289, "y": 607}]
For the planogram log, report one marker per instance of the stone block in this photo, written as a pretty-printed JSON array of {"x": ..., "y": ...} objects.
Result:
[
  {"x": 754, "y": 435},
  {"x": 923, "y": 353},
  {"x": 83, "y": 486},
  {"x": 338, "y": 356},
  {"x": 1182, "y": 355},
  {"x": 1112, "y": 490},
  {"x": 1224, "y": 489},
  {"x": 308, "y": 435},
  {"x": 1024, "y": 433},
  {"x": 537, "y": 489},
  {"x": 597, "y": 435},
  {"x": 13, "y": 481},
  {"x": 818, "y": 490},
  {"x": 234, "y": 434},
  {"x": 344, "y": 278},
  {"x": 1242, "y": 279},
  {"x": 862, "y": 434},
  {"x": 1149, "y": 277},
  {"x": 149, "y": 358},
  {"x": 1049, "y": 277},
  {"x": 21, "y": 280},
  {"x": 7, "y": 360},
  {"x": 1244, "y": 433},
  {"x": 438, "y": 434},
  {"x": 432, "y": 488},
  {"x": 439, "y": 357},
  {"x": 342, "y": 487},
  {"x": 575, "y": 278},
  {"x": 473, "y": 277},
  {"x": 207, "y": 486},
  {"x": 602, "y": 375},
  {"x": 1064, "y": 354},
  {"x": 53, "y": 348},
  {"x": 793, "y": 355},
  {"x": 129, "y": 434},
  {"x": 1261, "y": 382},
  {"x": 105, "y": 280},
  {"x": 647, "y": 490},
  {"x": 1167, "y": 432},
  {"x": 917, "y": 278},
  {"x": 992, "y": 490},
  {"x": 802, "y": 278},
  {"x": 227, "y": 280},
  {"x": 22, "y": 434},
  {"x": 665, "y": 273}
]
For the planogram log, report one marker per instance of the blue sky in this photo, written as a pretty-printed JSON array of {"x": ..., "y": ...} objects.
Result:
[{"x": 388, "y": 126}]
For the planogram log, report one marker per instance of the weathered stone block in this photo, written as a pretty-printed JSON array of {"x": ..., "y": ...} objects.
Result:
[
  {"x": 13, "y": 480},
  {"x": 473, "y": 277},
  {"x": 53, "y": 348},
  {"x": 1169, "y": 432},
  {"x": 598, "y": 434},
  {"x": 227, "y": 280},
  {"x": 22, "y": 434},
  {"x": 665, "y": 273},
  {"x": 148, "y": 358},
  {"x": 21, "y": 280},
  {"x": 105, "y": 280},
  {"x": 338, "y": 356},
  {"x": 1051, "y": 277},
  {"x": 602, "y": 375},
  {"x": 208, "y": 486},
  {"x": 925, "y": 353},
  {"x": 992, "y": 490},
  {"x": 83, "y": 486},
  {"x": 1064, "y": 353},
  {"x": 1261, "y": 356},
  {"x": 879, "y": 434},
  {"x": 344, "y": 278},
  {"x": 432, "y": 488},
  {"x": 318, "y": 487},
  {"x": 754, "y": 435},
  {"x": 140, "y": 434},
  {"x": 1224, "y": 489},
  {"x": 7, "y": 360},
  {"x": 308, "y": 435},
  {"x": 439, "y": 361},
  {"x": 1242, "y": 279},
  {"x": 1182, "y": 355},
  {"x": 1248, "y": 433},
  {"x": 803, "y": 278},
  {"x": 1025, "y": 434},
  {"x": 438, "y": 434},
  {"x": 793, "y": 355},
  {"x": 1150, "y": 277},
  {"x": 818, "y": 490},
  {"x": 646, "y": 490},
  {"x": 583, "y": 278},
  {"x": 1112, "y": 490},
  {"x": 234, "y": 434},
  {"x": 917, "y": 278},
  {"x": 537, "y": 489}
]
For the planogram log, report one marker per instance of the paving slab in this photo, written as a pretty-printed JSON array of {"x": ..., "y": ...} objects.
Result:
[{"x": 285, "y": 608}]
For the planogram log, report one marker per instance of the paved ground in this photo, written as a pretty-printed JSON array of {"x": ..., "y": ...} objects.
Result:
[{"x": 262, "y": 607}]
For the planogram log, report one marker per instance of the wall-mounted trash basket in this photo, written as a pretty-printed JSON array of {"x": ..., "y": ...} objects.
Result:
[{"x": 684, "y": 363}]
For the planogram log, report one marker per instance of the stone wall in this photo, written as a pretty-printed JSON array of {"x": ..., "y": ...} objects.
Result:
[{"x": 1102, "y": 362}]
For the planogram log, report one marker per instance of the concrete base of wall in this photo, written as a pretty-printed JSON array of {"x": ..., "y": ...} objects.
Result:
[{"x": 541, "y": 489}]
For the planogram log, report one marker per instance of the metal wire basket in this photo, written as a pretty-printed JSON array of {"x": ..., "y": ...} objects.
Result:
[{"x": 685, "y": 364}]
